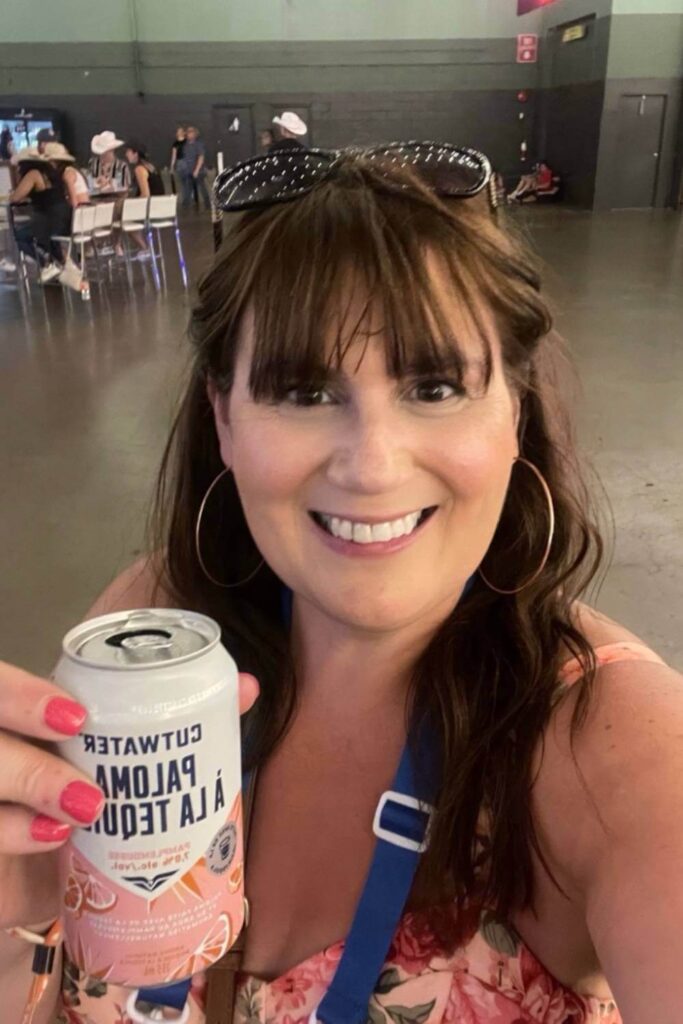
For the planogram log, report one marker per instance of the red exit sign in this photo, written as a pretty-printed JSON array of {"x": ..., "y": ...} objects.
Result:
[
  {"x": 527, "y": 48},
  {"x": 524, "y": 6}
]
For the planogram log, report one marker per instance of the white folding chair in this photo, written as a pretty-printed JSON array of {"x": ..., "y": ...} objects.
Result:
[
  {"x": 82, "y": 227},
  {"x": 163, "y": 214},
  {"x": 104, "y": 220},
  {"x": 135, "y": 217}
]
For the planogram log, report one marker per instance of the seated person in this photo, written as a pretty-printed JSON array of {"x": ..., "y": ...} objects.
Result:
[
  {"x": 41, "y": 184},
  {"x": 108, "y": 172},
  {"x": 540, "y": 182},
  {"x": 73, "y": 180}
]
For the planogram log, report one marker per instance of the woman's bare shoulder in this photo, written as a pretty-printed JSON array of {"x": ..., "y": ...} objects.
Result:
[
  {"x": 588, "y": 776},
  {"x": 141, "y": 585}
]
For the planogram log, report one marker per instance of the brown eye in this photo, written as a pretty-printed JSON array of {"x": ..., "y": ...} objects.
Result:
[
  {"x": 434, "y": 391},
  {"x": 307, "y": 395}
]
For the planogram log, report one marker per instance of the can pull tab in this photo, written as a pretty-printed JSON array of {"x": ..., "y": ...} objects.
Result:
[{"x": 140, "y": 644}]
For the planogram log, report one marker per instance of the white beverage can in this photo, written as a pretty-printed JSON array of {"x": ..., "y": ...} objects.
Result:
[{"x": 153, "y": 891}]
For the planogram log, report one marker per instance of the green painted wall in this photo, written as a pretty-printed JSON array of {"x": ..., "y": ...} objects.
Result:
[
  {"x": 646, "y": 46},
  {"x": 28, "y": 21},
  {"x": 647, "y": 6}
]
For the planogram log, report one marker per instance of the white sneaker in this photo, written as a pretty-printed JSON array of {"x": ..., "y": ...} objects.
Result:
[
  {"x": 143, "y": 255},
  {"x": 7, "y": 267},
  {"x": 50, "y": 272}
]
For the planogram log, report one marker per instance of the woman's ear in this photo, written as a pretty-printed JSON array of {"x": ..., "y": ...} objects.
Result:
[{"x": 219, "y": 403}]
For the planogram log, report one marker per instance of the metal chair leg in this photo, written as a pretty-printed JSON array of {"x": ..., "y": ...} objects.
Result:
[
  {"x": 155, "y": 269},
  {"x": 162, "y": 258},
  {"x": 181, "y": 255}
]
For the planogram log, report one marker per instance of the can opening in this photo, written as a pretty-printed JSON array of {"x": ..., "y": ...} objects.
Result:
[{"x": 134, "y": 639}]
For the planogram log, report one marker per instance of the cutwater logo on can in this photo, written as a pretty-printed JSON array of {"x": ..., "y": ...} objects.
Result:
[{"x": 221, "y": 852}]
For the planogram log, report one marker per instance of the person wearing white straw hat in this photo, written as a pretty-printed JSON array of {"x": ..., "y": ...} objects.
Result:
[
  {"x": 73, "y": 179},
  {"x": 109, "y": 173},
  {"x": 291, "y": 131}
]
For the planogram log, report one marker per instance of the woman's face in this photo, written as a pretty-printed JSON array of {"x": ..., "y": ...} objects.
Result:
[
  {"x": 415, "y": 467},
  {"x": 131, "y": 156}
]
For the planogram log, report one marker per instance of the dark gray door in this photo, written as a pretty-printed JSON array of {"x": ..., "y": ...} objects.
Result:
[
  {"x": 639, "y": 134},
  {"x": 234, "y": 132}
]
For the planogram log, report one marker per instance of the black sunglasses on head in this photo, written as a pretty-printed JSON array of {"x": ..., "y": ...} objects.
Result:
[{"x": 450, "y": 171}]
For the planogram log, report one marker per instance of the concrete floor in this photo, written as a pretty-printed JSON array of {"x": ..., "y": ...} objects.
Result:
[{"x": 86, "y": 393}]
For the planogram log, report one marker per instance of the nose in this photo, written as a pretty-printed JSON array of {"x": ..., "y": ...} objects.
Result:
[{"x": 372, "y": 456}]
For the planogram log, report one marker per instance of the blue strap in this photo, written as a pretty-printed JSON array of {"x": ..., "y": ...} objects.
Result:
[
  {"x": 174, "y": 995},
  {"x": 381, "y": 905}
]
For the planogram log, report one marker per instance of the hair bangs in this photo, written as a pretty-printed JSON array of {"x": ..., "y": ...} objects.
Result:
[{"x": 354, "y": 266}]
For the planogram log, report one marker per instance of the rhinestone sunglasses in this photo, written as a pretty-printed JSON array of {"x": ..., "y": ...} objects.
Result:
[{"x": 449, "y": 171}]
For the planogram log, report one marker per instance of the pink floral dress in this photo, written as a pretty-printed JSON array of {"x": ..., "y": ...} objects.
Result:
[{"x": 493, "y": 979}]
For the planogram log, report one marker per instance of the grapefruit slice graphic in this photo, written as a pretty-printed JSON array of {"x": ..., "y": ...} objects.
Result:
[
  {"x": 98, "y": 898},
  {"x": 212, "y": 947},
  {"x": 73, "y": 895}
]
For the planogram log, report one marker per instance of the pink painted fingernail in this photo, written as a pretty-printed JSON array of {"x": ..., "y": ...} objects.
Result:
[
  {"x": 82, "y": 801},
  {"x": 48, "y": 830},
  {"x": 65, "y": 716}
]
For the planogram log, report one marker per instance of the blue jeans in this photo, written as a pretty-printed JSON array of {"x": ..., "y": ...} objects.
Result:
[{"x": 187, "y": 181}]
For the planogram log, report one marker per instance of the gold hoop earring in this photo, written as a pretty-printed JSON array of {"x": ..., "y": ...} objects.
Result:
[
  {"x": 551, "y": 533},
  {"x": 197, "y": 544}
]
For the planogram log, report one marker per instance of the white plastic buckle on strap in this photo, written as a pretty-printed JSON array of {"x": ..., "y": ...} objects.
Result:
[
  {"x": 405, "y": 842},
  {"x": 156, "y": 1014}
]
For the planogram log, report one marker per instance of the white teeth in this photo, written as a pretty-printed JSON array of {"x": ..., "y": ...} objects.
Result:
[
  {"x": 368, "y": 533},
  {"x": 362, "y": 533},
  {"x": 382, "y": 531}
]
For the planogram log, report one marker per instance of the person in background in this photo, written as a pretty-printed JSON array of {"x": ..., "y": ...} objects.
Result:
[
  {"x": 73, "y": 180},
  {"x": 194, "y": 160},
  {"x": 41, "y": 183},
  {"x": 291, "y": 129},
  {"x": 6, "y": 143},
  {"x": 146, "y": 179},
  {"x": 265, "y": 140},
  {"x": 146, "y": 182},
  {"x": 44, "y": 136},
  {"x": 109, "y": 173},
  {"x": 177, "y": 151},
  {"x": 540, "y": 181}
]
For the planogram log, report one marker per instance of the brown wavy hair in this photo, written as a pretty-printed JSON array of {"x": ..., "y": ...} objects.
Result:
[{"x": 487, "y": 680}]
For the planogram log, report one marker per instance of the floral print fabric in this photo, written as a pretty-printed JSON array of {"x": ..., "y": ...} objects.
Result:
[{"x": 494, "y": 979}]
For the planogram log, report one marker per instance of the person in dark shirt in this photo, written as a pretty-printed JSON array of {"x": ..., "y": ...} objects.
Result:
[
  {"x": 194, "y": 169},
  {"x": 177, "y": 152},
  {"x": 146, "y": 178},
  {"x": 146, "y": 182},
  {"x": 291, "y": 130},
  {"x": 41, "y": 184}
]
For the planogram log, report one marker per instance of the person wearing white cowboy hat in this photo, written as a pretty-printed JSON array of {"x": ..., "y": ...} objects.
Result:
[
  {"x": 73, "y": 180},
  {"x": 291, "y": 129},
  {"x": 109, "y": 173}
]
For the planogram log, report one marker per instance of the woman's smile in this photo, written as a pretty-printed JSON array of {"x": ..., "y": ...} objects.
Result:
[{"x": 372, "y": 535}]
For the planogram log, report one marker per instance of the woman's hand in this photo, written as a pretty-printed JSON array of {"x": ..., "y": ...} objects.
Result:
[{"x": 42, "y": 797}]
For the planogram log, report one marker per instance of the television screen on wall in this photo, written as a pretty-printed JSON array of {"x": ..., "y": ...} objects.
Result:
[{"x": 524, "y": 6}]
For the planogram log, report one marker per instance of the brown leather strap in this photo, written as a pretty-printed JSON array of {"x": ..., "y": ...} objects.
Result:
[{"x": 222, "y": 976}]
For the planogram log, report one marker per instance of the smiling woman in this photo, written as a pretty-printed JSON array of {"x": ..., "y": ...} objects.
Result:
[{"x": 372, "y": 485}]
